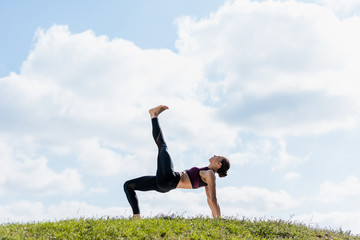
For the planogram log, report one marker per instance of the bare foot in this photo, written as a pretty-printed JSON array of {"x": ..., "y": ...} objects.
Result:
[
  {"x": 136, "y": 216},
  {"x": 154, "y": 112}
]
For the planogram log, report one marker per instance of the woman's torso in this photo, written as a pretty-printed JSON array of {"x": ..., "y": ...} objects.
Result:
[{"x": 185, "y": 181}]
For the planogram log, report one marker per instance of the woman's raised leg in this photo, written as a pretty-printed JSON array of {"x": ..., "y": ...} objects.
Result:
[
  {"x": 156, "y": 130},
  {"x": 166, "y": 177}
]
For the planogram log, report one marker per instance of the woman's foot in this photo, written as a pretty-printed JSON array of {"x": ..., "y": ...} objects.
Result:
[
  {"x": 136, "y": 216},
  {"x": 154, "y": 112}
]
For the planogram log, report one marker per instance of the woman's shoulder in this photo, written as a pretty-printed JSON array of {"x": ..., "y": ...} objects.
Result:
[{"x": 207, "y": 173}]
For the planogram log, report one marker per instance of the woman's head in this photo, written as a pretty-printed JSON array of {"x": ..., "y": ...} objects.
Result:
[
  {"x": 225, "y": 165},
  {"x": 221, "y": 164}
]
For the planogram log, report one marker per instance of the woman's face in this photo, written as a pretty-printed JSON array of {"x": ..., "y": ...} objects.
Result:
[{"x": 216, "y": 160}]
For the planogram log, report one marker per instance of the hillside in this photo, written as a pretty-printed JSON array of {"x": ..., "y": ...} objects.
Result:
[{"x": 167, "y": 228}]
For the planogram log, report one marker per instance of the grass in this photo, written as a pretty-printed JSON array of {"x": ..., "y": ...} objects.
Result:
[{"x": 168, "y": 227}]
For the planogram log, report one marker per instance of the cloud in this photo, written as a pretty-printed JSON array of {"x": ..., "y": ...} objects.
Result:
[
  {"x": 256, "y": 198},
  {"x": 277, "y": 68},
  {"x": 23, "y": 174},
  {"x": 339, "y": 192},
  {"x": 84, "y": 98},
  {"x": 265, "y": 79},
  {"x": 99, "y": 160},
  {"x": 292, "y": 176},
  {"x": 27, "y": 211},
  {"x": 346, "y": 221},
  {"x": 77, "y": 91},
  {"x": 342, "y": 8},
  {"x": 285, "y": 159},
  {"x": 247, "y": 199},
  {"x": 266, "y": 151},
  {"x": 253, "y": 152}
]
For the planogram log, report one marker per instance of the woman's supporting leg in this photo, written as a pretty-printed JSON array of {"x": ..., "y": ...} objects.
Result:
[{"x": 146, "y": 183}]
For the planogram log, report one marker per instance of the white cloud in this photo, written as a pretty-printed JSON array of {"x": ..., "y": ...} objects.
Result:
[
  {"x": 75, "y": 209},
  {"x": 263, "y": 151},
  {"x": 76, "y": 91},
  {"x": 253, "y": 152},
  {"x": 285, "y": 159},
  {"x": 254, "y": 200},
  {"x": 97, "y": 190},
  {"x": 177, "y": 201},
  {"x": 338, "y": 192},
  {"x": 22, "y": 174},
  {"x": 21, "y": 211},
  {"x": 292, "y": 176},
  {"x": 97, "y": 159},
  {"x": 342, "y": 8},
  {"x": 346, "y": 221},
  {"x": 26, "y": 211},
  {"x": 264, "y": 79},
  {"x": 279, "y": 68}
]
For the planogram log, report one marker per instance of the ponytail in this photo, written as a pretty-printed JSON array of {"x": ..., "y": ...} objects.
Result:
[{"x": 225, "y": 165}]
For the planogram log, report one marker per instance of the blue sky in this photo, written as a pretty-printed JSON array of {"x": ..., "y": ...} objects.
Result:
[
  {"x": 273, "y": 85},
  {"x": 147, "y": 24}
]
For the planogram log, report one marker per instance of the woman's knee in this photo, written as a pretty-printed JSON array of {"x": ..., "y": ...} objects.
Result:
[{"x": 129, "y": 186}]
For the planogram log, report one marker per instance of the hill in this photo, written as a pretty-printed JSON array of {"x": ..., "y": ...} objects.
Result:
[{"x": 168, "y": 227}]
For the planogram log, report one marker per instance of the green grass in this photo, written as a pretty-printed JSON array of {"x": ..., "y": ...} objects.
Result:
[{"x": 168, "y": 227}]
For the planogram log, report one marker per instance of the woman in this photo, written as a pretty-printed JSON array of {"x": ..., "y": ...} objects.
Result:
[{"x": 167, "y": 179}]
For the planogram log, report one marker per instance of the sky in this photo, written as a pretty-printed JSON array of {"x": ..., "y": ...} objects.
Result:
[{"x": 272, "y": 85}]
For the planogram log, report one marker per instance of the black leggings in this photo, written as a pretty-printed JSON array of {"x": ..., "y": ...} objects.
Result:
[{"x": 166, "y": 178}]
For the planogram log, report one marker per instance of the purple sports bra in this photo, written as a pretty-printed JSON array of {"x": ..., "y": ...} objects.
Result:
[{"x": 195, "y": 179}]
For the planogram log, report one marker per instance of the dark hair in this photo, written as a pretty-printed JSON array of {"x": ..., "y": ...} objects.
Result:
[{"x": 225, "y": 165}]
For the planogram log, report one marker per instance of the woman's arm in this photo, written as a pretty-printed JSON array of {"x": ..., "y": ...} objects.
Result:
[{"x": 210, "y": 190}]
